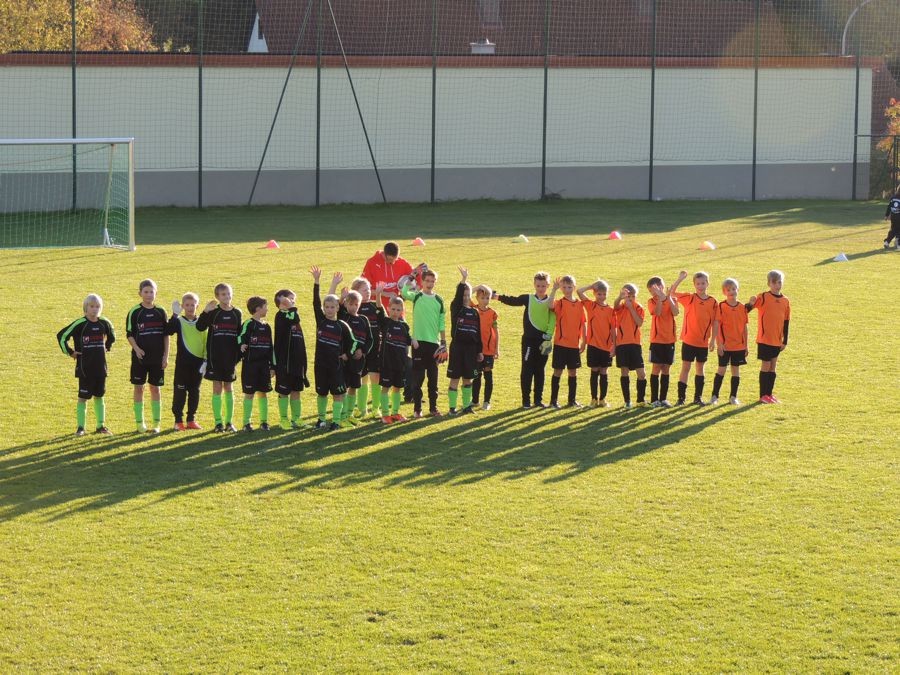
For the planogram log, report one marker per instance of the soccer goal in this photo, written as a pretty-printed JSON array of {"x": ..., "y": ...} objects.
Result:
[{"x": 58, "y": 192}]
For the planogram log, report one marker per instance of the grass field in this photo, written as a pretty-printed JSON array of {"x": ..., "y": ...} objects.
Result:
[{"x": 716, "y": 539}]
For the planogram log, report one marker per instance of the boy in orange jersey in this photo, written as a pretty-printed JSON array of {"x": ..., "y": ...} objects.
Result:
[
  {"x": 698, "y": 333},
  {"x": 569, "y": 338},
  {"x": 771, "y": 333},
  {"x": 663, "y": 309},
  {"x": 731, "y": 341},
  {"x": 601, "y": 341},
  {"x": 629, "y": 315},
  {"x": 490, "y": 346}
]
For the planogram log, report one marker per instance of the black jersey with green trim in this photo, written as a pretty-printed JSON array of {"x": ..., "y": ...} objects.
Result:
[
  {"x": 362, "y": 330},
  {"x": 148, "y": 328},
  {"x": 465, "y": 322},
  {"x": 396, "y": 339},
  {"x": 222, "y": 327},
  {"x": 290, "y": 344},
  {"x": 374, "y": 313},
  {"x": 90, "y": 340},
  {"x": 333, "y": 336},
  {"x": 258, "y": 338}
]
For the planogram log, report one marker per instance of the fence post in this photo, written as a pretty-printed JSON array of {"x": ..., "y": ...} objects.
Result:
[
  {"x": 652, "y": 102},
  {"x": 546, "y": 69},
  {"x": 433, "y": 90},
  {"x": 856, "y": 125},
  {"x": 318, "y": 98},
  {"x": 755, "y": 99},
  {"x": 74, "y": 113},
  {"x": 200, "y": 105}
]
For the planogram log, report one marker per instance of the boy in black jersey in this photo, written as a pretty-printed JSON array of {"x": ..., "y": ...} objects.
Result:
[
  {"x": 290, "y": 359},
  {"x": 222, "y": 323},
  {"x": 259, "y": 362},
  {"x": 188, "y": 361},
  {"x": 892, "y": 213},
  {"x": 355, "y": 368},
  {"x": 395, "y": 344},
  {"x": 465, "y": 345},
  {"x": 334, "y": 346},
  {"x": 92, "y": 336},
  {"x": 374, "y": 312},
  {"x": 145, "y": 328}
]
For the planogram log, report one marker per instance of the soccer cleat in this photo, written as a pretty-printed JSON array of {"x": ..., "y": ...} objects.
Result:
[
  {"x": 153, "y": 430},
  {"x": 643, "y": 404},
  {"x": 387, "y": 419},
  {"x": 334, "y": 426},
  {"x": 346, "y": 423},
  {"x": 230, "y": 428},
  {"x": 602, "y": 403},
  {"x": 452, "y": 412},
  {"x": 734, "y": 400},
  {"x": 248, "y": 427},
  {"x": 766, "y": 399},
  {"x": 713, "y": 400},
  {"x": 468, "y": 410},
  {"x": 358, "y": 414},
  {"x": 574, "y": 404},
  {"x": 192, "y": 425},
  {"x": 140, "y": 428},
  {"x": 299, "y": 426},
  {"x": 79, "y": 431},
  {"x": 264, "y": 426},
  {"x": 179, "y": 426},
  {"x": 555, "y": 405},
  {"x": 887, "y": 245},
  {"x": 218, "y": 429},
  {"x": 627, "y": 405},
  {"x": 103, "y": 430},
  {"x": 526, "y": 406},
  {"x": 486, "y": 405},
  {"x": 774, "y": 398},
  {"x": 436, "y": 413},
  {"x": 655, "y": 404},
  {"x": 664, "y": 404},
  {"x": 699, "y": 401},
  {"x": 320, "y": 424},
  {"x": 540, "y": 404},
  {"x": 417, "y": 415},
  {"x": 679, "y": 402},
  {"x": 399, "y": 418}
]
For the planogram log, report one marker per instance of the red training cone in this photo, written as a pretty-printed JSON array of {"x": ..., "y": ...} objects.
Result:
[
  {"x": 615, "y": 234},
  {"x": 271, "y": 244},
  {"x": 707, "y": 246},
  {"x": 418, "y": 241}
]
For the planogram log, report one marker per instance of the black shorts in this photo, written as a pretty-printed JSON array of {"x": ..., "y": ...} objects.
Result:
[
  {"x": 598, "y": 358},
  {"x": 393, "y": 377},
  {"x": 463, "y": 362},
  {"x": 373, "y": 361},
  {"x": 150, "y": 374},
  {"x": 767, "y": 352},
  {"x": 354, "y": 369},
  {"x": 330, "y": 379},
  {"x": 487, "y": 363},
  {"x": 88, "y": 387},
  {"x": 662, "y": 353},
  {"x": 219, "y": 372},
  {"x": 285, "y": 383},
  {"x": 736, "y": 358},
  {"x": 566, "y": 358},
  {"x": 256, "y": 378},
  {"x": 629, "y": 356},
  {"x": 691, "y": 353}
]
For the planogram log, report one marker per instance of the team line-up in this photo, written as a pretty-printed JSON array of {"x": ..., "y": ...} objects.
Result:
[{"x": 363, "y": 344}]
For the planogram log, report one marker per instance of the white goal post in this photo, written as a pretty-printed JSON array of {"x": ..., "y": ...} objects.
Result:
[{"x": 57, "y": 192}]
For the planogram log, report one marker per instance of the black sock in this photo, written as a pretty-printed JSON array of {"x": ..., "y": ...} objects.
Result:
[
  {"x": 735, "y": 383},
  {"x": 763, "y": 380},
  {"x": 663, "y": 387},
  {"x": 698, "y": 387},
  {"x": 595, "y": 380},
  {"x": 682, "y": 390},
  {"x": 476, "y": 389},
  {"x": 772, "y": 376},
  {"x": 488, "y": 376},
  {"x": 604, "y": 386},
  {"x": 654, "y": 388},
  {"x": 573, "y": 388},
  {"x": 641, "y": 390},
  {"x": 717, "y": 384},
  {"x": 626, "y": 388},
  {"x": 554, "y": 389}
]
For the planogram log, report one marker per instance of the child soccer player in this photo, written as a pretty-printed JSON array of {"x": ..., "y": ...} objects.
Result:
[
  {"x": 429, "y": 321},
  {"x": 92, "y": 336},
  {"x": 538, "y": 325},
  {"x": 569, "y": 338},
  {"x": 892, "y": 213},
  {"x": 698, "y": 332},
  {"x": 601, "y": 342},
  {"x": 374, "y": 312},
  {"x": 145, "y": 328},
  {"x": 771, "y": 332},
  {"x": 396, "y": 340},
  {"x": 629, "y": 315},
  {"x": 465, "y": 345},
  {"x": 222, "y": 323},
  {"x": 731, "y": 341},
  {"x": 290, "y": 359},
  {"x": 259, "y": 361},
  {"x": 490, "y": 346},
  {"x": 355, "y": 368},
  {"x": 334, "y": 346},
  {"x": 188, "y": 360},
  {"x": 663, "y": 309}
]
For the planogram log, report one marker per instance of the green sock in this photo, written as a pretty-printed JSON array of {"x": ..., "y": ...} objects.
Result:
[
  {"x": 264, "y": 410},
  {"x": 229, "y": 406},
  {"x": 139, "y": 414},
  {"x": 156, "y": 408},
  {"x": 451, "y": 395},
  {"x": 248, "y": 410},
  {"x": 376, "y": 396},
  {"x": 296, "y": 410},
  {"x": 362, "y": 397},
  {"x": 385, "y": 403},
  {"x": 395, "y": 402},
  {"x": 467, "y": 395},
  {"x": 81, "y": 412},
  {"x": 100, "y": 411},
  {"x": 322, "y": 406},
  {"x": 283, "y": 402},
  {"x": 337, "y": 410},
  {"x": 217, "y": 408},
  {"x": 350, "y": 404}
]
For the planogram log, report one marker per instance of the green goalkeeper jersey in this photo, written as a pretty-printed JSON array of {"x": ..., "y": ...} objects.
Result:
[{"x": 429, "y": 317}]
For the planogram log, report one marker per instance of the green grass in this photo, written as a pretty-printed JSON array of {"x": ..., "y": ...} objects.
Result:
[{"x": 753, "y": 538}]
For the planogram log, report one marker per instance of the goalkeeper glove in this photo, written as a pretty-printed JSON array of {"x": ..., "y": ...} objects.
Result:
[
  {"x": 546, "y": 347},
  {"x": 176, "y": 308}
]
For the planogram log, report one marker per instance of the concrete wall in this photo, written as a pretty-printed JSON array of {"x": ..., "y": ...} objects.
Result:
[{"x": 489, "y": 127}]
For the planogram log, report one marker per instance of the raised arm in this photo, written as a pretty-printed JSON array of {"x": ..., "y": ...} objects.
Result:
[
  {"x": 553, "y": 290},
  {"x": 682, "y": 275},
  {"x": 582, "y": 292},
  {"x": 513, "y": 300}
]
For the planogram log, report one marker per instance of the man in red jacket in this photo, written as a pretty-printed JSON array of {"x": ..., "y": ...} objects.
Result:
[{"x": 388, "y": 267}]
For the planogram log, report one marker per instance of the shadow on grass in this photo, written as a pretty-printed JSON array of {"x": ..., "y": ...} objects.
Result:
[
  {"x": 71, "y": 475},
  {"x": 853, "y": 256}
]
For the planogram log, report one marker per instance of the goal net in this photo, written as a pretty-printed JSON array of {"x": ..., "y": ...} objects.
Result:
[{"x": 67, "y": 192}]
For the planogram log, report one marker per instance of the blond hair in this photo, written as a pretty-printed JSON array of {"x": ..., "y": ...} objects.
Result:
[{"x": 92, "y": 297}]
